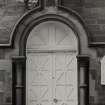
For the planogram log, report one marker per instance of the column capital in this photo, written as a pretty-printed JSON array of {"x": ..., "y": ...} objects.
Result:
[
  {"x": 83, "y": 60},
  {"x": 83, "y": 57},
  {"x": 18, "y": 58}
]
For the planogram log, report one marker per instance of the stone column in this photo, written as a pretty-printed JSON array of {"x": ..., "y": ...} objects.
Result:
[
  {"x": 18, "y": 69},
  {"x": 83, "y": 77}
]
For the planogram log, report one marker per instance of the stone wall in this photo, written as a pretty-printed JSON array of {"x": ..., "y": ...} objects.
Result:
[
  {"x": 5, "y": 82},
  {"x": 93, "y": 13},
  {"x": 10, "y": 12}
]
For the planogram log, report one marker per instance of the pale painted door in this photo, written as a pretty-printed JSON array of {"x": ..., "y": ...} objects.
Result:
[
  {"x": 51, "y": 79},
  {"x": 51, "y": 67}
]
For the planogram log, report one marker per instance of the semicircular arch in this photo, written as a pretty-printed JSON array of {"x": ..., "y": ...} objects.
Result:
[{"x": 70, "y": 18}]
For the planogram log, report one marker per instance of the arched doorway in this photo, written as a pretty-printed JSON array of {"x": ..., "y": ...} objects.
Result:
[
  {"x": 51, "y": 65},
  {"x": 54, "y": 39}
]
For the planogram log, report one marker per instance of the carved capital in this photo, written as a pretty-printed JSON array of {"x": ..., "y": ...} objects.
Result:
[
  {"x": 19, "y": 59},
  {"x": 83, "y": 60}
]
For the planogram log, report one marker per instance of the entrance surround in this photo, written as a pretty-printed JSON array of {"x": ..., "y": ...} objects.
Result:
[{"x": 21, "y": 33}]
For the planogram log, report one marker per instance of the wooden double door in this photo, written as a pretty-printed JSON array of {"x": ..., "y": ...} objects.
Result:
[{"x": 51, "y": 78}]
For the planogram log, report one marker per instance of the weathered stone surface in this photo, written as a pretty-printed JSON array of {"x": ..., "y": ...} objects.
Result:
[
  {"x": 10, "y": 12},
  {"x": 5, "y": 81}
]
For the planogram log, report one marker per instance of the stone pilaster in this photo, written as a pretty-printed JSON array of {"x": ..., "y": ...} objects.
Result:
[
  {"x": 83, "y": 77},
  {"x": 18, "y": 80}
]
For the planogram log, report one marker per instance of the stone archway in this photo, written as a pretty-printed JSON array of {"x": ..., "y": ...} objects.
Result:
[{"x": 23, "y": 32}]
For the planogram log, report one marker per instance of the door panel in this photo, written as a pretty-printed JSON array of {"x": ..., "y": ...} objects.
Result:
[
  {"x": 39, "y": 79},
  {"x": 66, "y": 78},
  {"x": 51, "y": 79}
]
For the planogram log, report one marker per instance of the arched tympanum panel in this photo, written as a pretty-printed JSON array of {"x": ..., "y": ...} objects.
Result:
[{"x": 52, "y": 35}]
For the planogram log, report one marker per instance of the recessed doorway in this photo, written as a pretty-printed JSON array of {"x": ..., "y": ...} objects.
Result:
[{"x": 51, "y": 65}]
